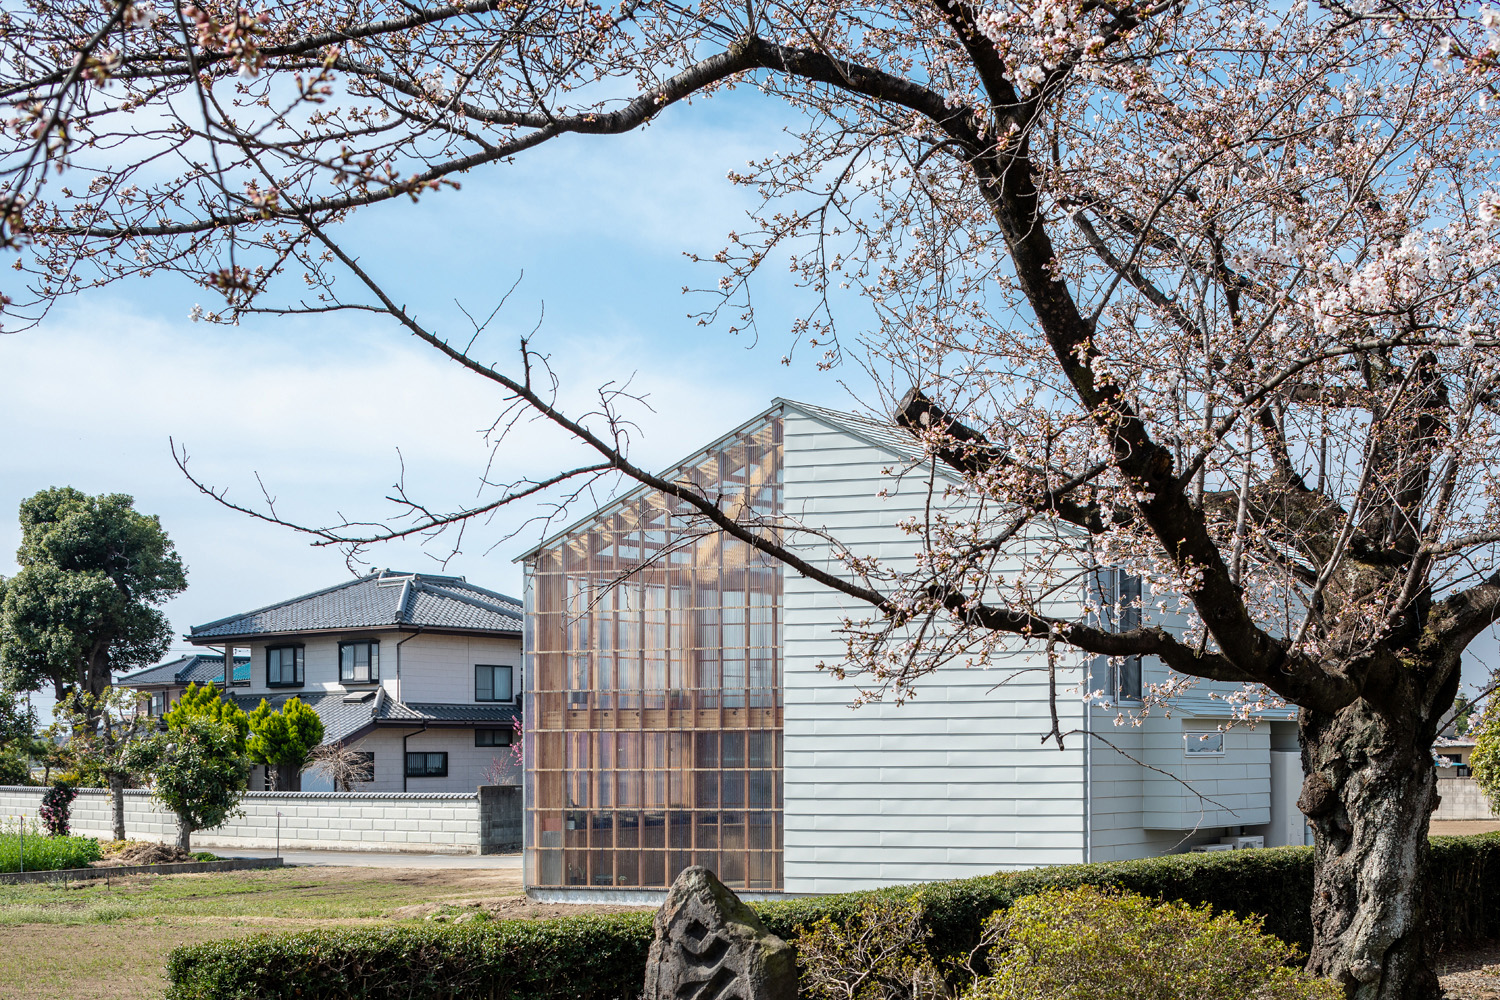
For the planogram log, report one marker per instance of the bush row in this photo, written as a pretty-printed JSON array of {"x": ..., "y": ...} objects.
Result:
[
  {"x": 44, "y": 853},
  {"x": 601, "y": 957}
]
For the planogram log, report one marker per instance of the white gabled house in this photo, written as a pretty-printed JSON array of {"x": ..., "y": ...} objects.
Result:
[
  {"x": 420, "y": 671},
  {"x": 676, "y": 714}
]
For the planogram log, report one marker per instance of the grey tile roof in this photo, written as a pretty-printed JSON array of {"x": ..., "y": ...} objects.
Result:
[
  {"x": 383, "y": 599},
  {"x": 340, "y": 715},
  {"x": 396, "y": 711},
  {"x": 190, "y": 669}
]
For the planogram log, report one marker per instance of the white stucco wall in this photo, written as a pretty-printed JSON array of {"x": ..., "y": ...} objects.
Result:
[
  {"x": 954, "y": 783},
  {"x": 432, "y": 668},
  {"x": 425, "y": 823}
]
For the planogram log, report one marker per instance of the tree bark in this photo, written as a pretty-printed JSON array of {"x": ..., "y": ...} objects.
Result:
[
  {"x": 184, "y": 834},
  {"x": 117, "y": 803},
  {"x": 1369, "y": 792}
]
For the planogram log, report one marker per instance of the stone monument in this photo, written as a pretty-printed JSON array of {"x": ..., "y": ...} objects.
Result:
[{"x": 711, "y": 946}]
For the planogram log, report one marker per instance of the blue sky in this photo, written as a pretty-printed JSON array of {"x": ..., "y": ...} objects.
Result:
[{"x": 318, "y": 407}]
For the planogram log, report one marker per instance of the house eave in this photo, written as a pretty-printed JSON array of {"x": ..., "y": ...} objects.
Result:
[{"x": 219, "y": 640}]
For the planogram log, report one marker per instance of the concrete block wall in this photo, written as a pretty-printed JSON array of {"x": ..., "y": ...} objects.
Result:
[
  {"x": 428, "y": 823},
  {"x": 499, "y": 819},
  {"x": 1462, "y": 799}
]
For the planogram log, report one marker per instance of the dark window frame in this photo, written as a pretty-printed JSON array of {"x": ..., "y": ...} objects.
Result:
[
  {"x": 372, "y": 669},
  {"x": 510, "y": 673},
  {"x": 509, "y": 733},
  {"x": 299, "y": 665},
  {"x": 1122, "y": 594},
  {"x": 427, "y": 771},
  {"x": 369, "y": 765}
]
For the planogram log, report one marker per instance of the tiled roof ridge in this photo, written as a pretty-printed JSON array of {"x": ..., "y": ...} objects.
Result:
[
  {"x": 505, "y": 604},
  {"x": 281, "y": 604}
]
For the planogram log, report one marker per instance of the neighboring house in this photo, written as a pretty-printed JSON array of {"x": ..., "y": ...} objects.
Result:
[
  {"x": 420, "y": 671},
  {"x": 160, "y": 686},
  {"x": 1452, "y": 754},
  {"x": 678, "y": 714}
]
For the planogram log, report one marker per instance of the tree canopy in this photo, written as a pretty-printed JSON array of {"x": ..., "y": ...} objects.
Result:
[
  {"x": 85, "y": 602},
  {"x": 206, "y": 701},
  {"x": 198, "y": 770},
  {"x": 284, "y": 738},
  {"x": 1203, "y": 291}
]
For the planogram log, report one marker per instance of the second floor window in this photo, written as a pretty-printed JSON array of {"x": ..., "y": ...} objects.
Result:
[
  {"x": 284, "y": 666},
  {"x": 492, "y": 683},
  {"x": 359, "y": 662},
  {"x": 494, "y": 737}
]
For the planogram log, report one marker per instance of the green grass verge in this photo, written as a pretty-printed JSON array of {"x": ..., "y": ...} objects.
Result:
[{"x": 291, "y": 894}]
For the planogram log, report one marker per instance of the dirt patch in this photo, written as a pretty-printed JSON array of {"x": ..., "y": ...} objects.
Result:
[
  {"x": 1471, "y": 973},
  {"x": 140, "y": 852},
  {"x": 507, "y": 908},
  {"x": 1463, "y": 827}
]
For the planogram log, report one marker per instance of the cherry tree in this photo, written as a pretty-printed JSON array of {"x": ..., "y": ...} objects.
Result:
[{"x": 1205, "y": 291}]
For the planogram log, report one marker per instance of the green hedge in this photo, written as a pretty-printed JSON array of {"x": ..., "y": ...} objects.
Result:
[
  {"x": 45, "y": 853},
  {"x": 603, "y": 957}
]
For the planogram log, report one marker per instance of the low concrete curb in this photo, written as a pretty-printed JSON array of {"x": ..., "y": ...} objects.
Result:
[{"x": 183, "y": 868}]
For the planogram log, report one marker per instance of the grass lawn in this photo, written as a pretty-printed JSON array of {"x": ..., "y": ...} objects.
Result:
[{"x": 92, "y": 941}]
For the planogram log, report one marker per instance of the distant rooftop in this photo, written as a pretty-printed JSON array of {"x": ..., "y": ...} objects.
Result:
[
  {"x": 387, "y": 599},
  {"x": 194, "y": 668}
]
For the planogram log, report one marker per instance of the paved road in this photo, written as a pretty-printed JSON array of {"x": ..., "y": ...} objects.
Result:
[{"x": 372, "y": 859}]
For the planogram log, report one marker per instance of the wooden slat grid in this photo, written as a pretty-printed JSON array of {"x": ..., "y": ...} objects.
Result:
[{"x": 654, "y": 713}]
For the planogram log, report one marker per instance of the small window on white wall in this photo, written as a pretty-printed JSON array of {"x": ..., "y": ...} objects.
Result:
[
  {"x": 1120, "y": 597},
  {"x": 359, "y": 662},
  {"x": 1209, "y": 743},
  {"x": 492, "y": 683}
]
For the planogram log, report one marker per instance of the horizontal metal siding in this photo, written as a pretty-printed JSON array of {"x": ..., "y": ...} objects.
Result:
[{"x": 951, "y": 784}]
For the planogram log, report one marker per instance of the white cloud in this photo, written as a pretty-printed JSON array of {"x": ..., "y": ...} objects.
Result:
[{"x": 91, "y": 400}]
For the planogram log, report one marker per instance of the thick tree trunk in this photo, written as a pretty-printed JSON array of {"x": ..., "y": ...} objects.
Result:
[
  {"x": 1369, "y": 791},
  {"x": 184, "y": 834},
  {"x": 117, "y": 803}
]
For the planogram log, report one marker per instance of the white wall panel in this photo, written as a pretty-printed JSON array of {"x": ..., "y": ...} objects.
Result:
[{"x": 951, "y": 784}]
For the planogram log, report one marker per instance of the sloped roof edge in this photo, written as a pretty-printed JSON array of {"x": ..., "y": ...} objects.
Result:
[{"x": 819, "y": 413}]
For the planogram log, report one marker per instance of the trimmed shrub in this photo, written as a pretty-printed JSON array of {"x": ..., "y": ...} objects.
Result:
[
  {"x": 1092, "y": 944},
  {"x": 605, "y": 956},
  {"x": 44, "y": 853},
  {"x": 589, "y": 957}
]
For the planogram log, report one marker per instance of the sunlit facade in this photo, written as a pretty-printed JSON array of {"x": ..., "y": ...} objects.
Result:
[
  {"x": 681, "y": 709},
  {"x": 655, "y": 702}
]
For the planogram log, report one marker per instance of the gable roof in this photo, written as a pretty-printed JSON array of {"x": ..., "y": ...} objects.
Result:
[
  {"x": 884, "y": 434},
  {"x": 386, "y": 599},
  {"x": 194, "y": 668},
  {"x": 879, "y": 434}
]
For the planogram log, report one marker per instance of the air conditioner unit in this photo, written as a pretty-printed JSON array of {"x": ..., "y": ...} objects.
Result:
[
  {"x": 1205, "y": 848},
  {"x": 1241, "y": 843}
]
